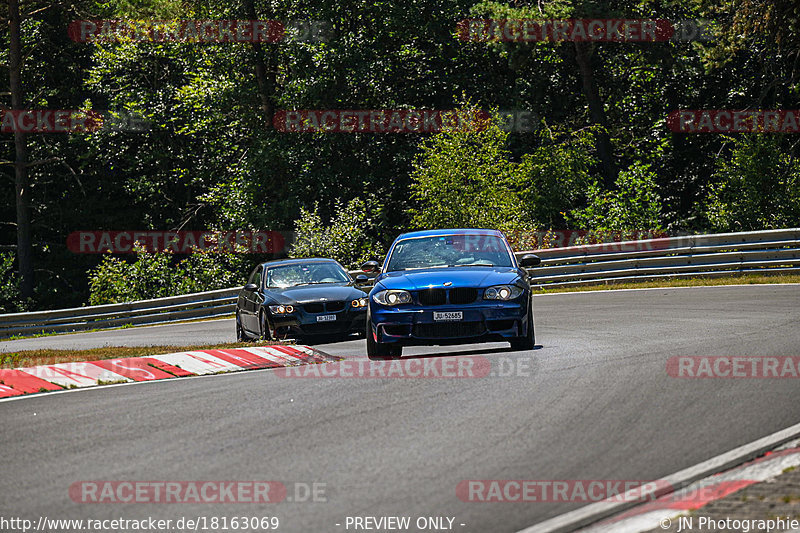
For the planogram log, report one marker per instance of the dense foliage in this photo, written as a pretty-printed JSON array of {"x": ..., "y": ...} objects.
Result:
[{"x": 600, "y": 157}]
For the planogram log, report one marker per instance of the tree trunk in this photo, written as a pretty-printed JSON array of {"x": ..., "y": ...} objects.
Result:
[
  {"x": 597, "y": 113},
  {"x": 265, "y": 79},
  {"x": 21, "y": 179}
]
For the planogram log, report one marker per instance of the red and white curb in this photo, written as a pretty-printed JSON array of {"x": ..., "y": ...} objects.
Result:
[
  {"x": 651, "y": 515},
  {"x": 45, "y": 378}
]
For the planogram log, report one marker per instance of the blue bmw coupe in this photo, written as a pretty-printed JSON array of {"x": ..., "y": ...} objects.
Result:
[{"x": 451, "y": 286}]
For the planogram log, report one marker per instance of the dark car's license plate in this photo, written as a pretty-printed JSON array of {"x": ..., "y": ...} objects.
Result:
[
  {"x": 447, "y": 316},
  {"x": 326, "y": 318}
]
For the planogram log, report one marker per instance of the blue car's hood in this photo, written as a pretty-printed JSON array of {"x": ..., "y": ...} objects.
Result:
[
  {"x": 314, "y": 293},
  {"x": 459, "y": 277}
]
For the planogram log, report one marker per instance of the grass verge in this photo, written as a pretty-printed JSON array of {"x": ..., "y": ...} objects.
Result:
[{"x": 746, "y": 279}]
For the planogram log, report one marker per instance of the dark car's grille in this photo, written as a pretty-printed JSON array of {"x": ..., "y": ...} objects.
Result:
[
  {"x": 319, "y": 307},
  {"x": 334, "y": 306},
  {"x": 457, "y": 296},
  {"x": 463, "y": 295},
  {"x": 449, "y": 330},
  {"x": 432, "y": 297}
]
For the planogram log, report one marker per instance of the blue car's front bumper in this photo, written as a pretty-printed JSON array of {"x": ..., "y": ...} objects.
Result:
[{"x": 482, "y": 321}]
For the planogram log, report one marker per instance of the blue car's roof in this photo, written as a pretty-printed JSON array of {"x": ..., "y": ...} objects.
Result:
[{"x": 440, "y": 232}]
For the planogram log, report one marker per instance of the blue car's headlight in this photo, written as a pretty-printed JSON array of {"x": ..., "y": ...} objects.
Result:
[
  {"x": 281, "y": 309},
  {"x": 392, "y": 297},
  {"x": 502, "y": 292}
]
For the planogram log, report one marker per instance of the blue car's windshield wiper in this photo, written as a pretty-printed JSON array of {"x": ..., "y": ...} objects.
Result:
[
  {"x": 419, "y": 267},
  {"x": 315, "y": 283},
  {"x": 473, "y": 265}
]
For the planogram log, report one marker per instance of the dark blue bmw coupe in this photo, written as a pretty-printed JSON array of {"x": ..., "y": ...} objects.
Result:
[
  {"x": 449, "y": 286},
  {"x": 300, "y": 297}
]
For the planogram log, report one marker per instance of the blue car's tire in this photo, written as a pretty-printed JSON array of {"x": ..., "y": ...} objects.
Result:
[
  {"x": 528, "y": 341},
  {"x": 379, "y": 351}
]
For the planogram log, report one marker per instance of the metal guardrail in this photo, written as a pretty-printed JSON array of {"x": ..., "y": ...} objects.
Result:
[
  {"x": 157, "y": 311},
  {"x": 772, "y": 251},
  {"x": 724, "y": 254}
]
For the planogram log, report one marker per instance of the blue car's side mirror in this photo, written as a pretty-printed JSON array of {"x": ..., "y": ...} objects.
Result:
[
  {"x": 250, "y": 287},
  {"x": 370, "y": 266},
  {"x": 529, "y": 260}
]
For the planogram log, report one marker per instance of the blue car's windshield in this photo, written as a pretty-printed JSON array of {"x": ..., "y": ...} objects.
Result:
[
  {"x": 280, "y": 277},
  {"x": 449, "y": 251}
]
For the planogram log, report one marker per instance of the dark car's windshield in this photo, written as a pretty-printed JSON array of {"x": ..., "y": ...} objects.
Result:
[
  {"x": 449, "y": 250},
  {"x": 279, "y": 277}
]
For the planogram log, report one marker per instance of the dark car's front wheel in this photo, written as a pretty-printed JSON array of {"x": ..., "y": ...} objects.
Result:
[
  {"x": 528, "y": 341},
  {"x": 266, "y": 332}
]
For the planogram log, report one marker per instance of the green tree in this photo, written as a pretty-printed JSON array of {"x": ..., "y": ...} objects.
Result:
[
  {"x": 633, "y": 206},
  {"x": 465, "y": 177},
  {"x": 156, "y": 275},
  {"x": 347, "y": 237},
  {"x": 757, "y": 186}
]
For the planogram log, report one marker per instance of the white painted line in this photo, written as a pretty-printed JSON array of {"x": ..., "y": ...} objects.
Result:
[
  {"x": 642, "y": 522},
  {"x": 597, "y": 511}
]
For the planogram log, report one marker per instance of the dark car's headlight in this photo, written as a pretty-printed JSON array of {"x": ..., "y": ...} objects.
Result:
[
  {"x": 281, "y": 309},
  {"x": 392, "y": 297},
  {"x": 502, "y": 292},
  {"x": 359, "y": 303}
]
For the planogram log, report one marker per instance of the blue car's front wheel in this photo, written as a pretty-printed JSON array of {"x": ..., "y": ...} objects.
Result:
[
  {"x": 379, "y": 351},
  {"x": 529, "y": 340}
]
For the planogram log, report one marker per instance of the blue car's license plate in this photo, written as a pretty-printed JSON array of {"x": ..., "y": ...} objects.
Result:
[
  {"x": 446, "y": 316},
  {"x": 326, "y": 318}
]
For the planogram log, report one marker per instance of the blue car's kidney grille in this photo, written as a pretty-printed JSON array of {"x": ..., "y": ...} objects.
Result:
[
  {"x": 463, "y": 295},
  {"x": 314, "y": 307},
  {"x": 449, "y": 330},
  {"x": 457, "y": 296},
  {"x": 432, "y": 297}
]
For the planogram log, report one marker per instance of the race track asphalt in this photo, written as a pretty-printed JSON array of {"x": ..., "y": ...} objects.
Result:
[{"x": 592, "y": 401}]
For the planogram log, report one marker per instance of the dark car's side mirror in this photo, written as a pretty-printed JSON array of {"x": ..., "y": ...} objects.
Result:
[
  {"x": 250, "y": 287},
  {"x": 370, "y": 266},
  {"x": 529, "y": 260},
  {"x": 361, "y": 278}
]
